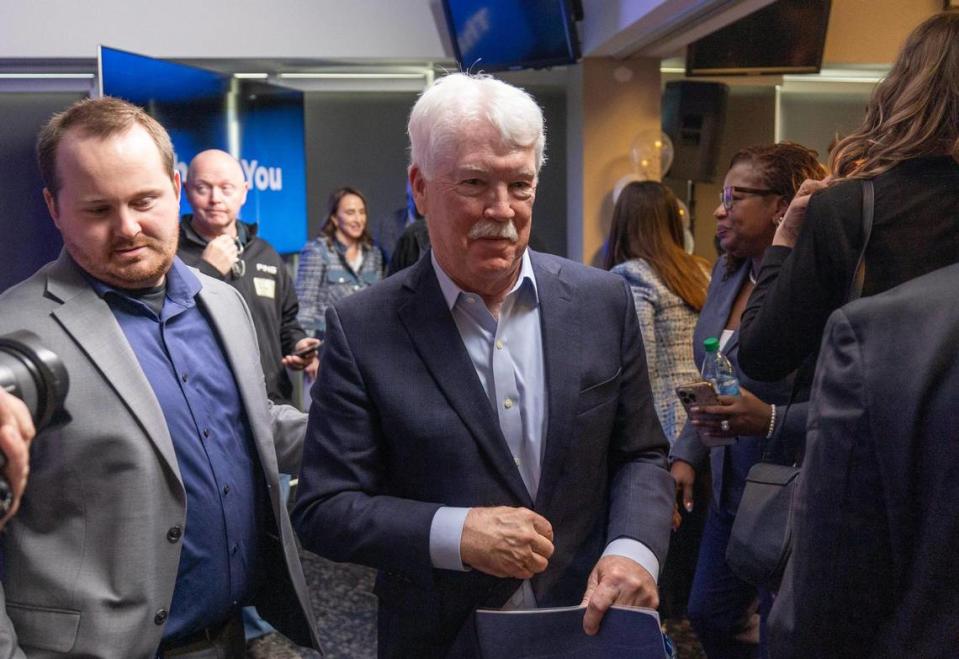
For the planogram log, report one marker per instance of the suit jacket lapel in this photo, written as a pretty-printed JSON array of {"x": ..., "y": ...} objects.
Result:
[
  {"x": 726, "y": 295},
  {"x": 562, "y": 335},
  {"x": 89, "y": 321},
  {"x": 436, "y": 339}
]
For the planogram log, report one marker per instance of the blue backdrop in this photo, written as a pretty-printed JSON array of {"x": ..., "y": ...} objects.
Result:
[{"x": 192, "y": 104}]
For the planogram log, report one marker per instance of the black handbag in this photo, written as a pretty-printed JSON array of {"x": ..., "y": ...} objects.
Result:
[{"x": 759, "y": 543}]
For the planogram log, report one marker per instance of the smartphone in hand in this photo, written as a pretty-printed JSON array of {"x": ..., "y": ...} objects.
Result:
[
  {"x": 307, "y": 351},
  {"x": 699, "y": 394}
]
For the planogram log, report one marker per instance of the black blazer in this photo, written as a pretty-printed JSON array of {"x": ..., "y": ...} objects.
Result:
[
  {"x": 875, "y": 569},
  {"x": 915, "y": 231},
  {"x": 400, "y": 425}
]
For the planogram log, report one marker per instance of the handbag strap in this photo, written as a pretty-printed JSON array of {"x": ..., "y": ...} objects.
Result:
[{"x": 868, "y": 209}]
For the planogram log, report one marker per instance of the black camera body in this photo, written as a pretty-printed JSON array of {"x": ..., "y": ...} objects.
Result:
[{"x": 35, "y": 375}]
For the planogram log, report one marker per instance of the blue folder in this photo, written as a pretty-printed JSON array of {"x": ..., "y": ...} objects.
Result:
[{"x": 547, "y": 633}]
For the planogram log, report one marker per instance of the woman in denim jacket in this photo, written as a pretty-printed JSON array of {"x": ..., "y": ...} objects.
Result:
[{"x": 339, "y": 262}]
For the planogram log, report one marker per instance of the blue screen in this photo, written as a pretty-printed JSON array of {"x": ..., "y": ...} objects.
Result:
[
  {"x": 496, "y": 35},
  {"x": 196, "y": 107}
]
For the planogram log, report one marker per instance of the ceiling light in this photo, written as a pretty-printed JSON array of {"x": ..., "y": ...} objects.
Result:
[
  {"x": 354, "y": 76},
  {"x": 45, "y": 76}
]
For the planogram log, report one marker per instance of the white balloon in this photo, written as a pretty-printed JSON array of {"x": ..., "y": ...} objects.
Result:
[
  {"x": 649, "y": 148},
  {"x": 689, "y": 243}
]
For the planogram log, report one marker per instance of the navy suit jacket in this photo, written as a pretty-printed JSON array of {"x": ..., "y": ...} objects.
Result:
[
  {"x": 730, "y": 464},
  {"x": 875, "y": 569},
  {"x": 401, "y": 425}
]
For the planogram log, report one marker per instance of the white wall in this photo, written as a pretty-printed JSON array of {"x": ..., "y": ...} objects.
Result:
[{"x": 336, "y": 29}]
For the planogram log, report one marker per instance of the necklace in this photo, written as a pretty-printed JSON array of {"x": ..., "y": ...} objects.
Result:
[{"x": 752, "y": 277}]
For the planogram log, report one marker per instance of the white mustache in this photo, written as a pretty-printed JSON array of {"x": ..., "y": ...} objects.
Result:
[{"x": 492, "y": 229}]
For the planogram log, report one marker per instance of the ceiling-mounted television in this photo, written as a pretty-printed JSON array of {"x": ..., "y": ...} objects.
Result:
[
  {"x": 786, "y": 36},
  {"x": 507, "y": 35}
]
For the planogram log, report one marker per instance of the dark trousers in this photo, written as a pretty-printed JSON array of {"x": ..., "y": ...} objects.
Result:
[
  {"x": 721, "y": 603},
  {"x": 676, "y": 575},
  {"x": 226, "y": 642}
]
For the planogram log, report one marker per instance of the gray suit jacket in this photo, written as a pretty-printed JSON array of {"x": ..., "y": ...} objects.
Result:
[
  {"x": 401, "y": 425},
  {"x": 89, "y": 565},
  {"x": 874, "y": 570}
]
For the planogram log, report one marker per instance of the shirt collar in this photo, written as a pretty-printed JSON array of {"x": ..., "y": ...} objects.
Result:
[
  {"x": 182, "y": 284},
  {"x": 451, "y": 291}
]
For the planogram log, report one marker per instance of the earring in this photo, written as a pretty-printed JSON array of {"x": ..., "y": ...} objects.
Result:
[{"x": 778, "y": 220}]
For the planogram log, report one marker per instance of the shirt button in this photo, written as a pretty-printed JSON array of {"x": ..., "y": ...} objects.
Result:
[
  {"x": 160, "y": 617},
  {"x": 226, "y": 489},
  {"x": 517, "y": 461},
  {"x": 234, "y": 548},
  {"x": 508, "y": 403},
  {"x": 174, "y": 534},
  {"x": 499, "y": 344},
  {"x": 206, "y": 432},
  {"x": 184, "y": 377},
  {"x": 471, "y": 300}
]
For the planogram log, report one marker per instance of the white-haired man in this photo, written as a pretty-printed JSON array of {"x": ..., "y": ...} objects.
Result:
[{"x": 507, "y": 453}]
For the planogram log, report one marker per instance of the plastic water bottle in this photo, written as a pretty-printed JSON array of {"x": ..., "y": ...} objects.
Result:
[{"x": 718, "y": 370}]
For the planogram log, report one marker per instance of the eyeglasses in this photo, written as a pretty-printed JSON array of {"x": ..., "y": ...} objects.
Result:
[{"x": 727, "y": 199}]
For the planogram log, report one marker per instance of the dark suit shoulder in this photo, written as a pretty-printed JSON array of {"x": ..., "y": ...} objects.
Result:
[
  {"x": 925, "y": 297},
  {"x": 577, "y": 274}
]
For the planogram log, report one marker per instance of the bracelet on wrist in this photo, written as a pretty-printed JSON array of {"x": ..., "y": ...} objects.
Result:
[{"x": 772, "y": 421}]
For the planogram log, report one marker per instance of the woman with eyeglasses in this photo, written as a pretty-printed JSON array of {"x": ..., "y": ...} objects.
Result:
[
  {"x": 757, "y": 190},
  {"x": 908, "y": 146}
]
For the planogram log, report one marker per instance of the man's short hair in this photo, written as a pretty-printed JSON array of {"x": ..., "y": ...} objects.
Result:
[
  {"x": 458, "y": 103},
  {"x": 96, "y": 117}
]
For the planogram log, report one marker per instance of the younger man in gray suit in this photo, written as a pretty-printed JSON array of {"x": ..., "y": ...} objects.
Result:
[{"x": 153, "y": 512}]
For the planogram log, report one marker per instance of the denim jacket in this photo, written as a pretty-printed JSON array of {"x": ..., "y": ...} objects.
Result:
[{"x": 324, "y": 276}]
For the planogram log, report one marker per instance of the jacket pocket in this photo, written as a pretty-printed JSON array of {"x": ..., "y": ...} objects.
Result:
[
  {"x": 599, "y": 393},
  {"x": 44, "y": 628}
]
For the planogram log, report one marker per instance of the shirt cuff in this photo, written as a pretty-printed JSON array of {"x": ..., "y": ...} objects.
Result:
[
  {"x": 634, "y": 550},
  {"x": 446, "y": 532}
]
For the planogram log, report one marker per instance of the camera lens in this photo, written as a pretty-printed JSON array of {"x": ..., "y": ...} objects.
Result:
[{"x": 34, "y": 374}]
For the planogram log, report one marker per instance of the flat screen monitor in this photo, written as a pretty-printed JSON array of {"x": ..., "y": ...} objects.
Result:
[
  {"x": 786, "y": 36},
  {"x": 507, "y": 35},
  {"x": 261, "y": 124}
]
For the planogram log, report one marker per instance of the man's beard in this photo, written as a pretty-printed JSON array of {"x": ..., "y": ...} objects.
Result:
[{"x": 143, "y": 273}]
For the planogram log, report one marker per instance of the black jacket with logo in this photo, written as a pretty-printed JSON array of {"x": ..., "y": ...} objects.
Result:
[{"x": 268, "y": 289}]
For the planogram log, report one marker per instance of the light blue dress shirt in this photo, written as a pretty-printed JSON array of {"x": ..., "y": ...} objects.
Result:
[{"x": 508, "y": 357}]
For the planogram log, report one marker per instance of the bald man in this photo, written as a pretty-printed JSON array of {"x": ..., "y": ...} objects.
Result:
[{"x": 213, "y": 240}]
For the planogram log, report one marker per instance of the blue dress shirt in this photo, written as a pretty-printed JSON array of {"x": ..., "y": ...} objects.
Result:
[
  {"x": 183, "y": 361},
  {"x": 508, "y": 357}
]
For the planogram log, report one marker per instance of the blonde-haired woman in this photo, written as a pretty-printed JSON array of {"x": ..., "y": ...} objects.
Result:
[{"x": 907, "y": 147}]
